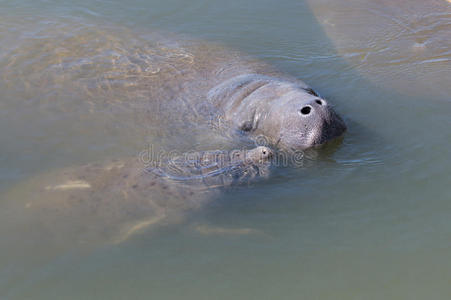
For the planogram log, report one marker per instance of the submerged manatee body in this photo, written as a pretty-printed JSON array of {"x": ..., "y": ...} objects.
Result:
[
  {"x": 401, "y": 45},
  {"x": 169, "y": 86},
  {"x": 109, "y": 202}
]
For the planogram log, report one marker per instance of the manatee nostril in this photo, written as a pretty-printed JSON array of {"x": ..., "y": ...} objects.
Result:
[
  {"x": 319, "y": 102},
  {"x": 306, "y": 110}
]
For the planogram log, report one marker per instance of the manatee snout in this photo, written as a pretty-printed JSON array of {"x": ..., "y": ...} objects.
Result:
[
  {"x": 308, "y": 122},
  {"x": 324, "y": 123},
  {"x": 260, "y": 154}
]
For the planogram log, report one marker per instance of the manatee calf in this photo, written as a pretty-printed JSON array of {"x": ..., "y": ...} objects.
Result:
[{"x": 112, "y": 201}]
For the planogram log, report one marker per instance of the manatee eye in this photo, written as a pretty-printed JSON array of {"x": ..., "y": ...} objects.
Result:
[
  {"x": 305, "y": 110},
  {"x": 311, "y": 91},
  {"x": 264, "y": 152}
]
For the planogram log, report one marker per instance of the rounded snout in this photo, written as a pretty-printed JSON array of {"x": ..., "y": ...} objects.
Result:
[
  {"x": 329, "y": 124},
  {"x": 322, "y": 121},
  {"x": 261, "y": 154},
  {"x": 317, "y": 106}
]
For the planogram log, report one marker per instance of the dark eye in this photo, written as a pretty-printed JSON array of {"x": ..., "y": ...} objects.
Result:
[
  {"x": 264, "y": 151},
  {"x": 319, "y": 102},
  {"x": 311, "y": 91}
]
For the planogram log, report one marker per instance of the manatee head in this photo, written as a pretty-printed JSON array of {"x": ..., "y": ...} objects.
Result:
[
  {"x": 299, "y": 119},
  {"x": 259, "y": 155},
  {"x": 287, "y": 113}
]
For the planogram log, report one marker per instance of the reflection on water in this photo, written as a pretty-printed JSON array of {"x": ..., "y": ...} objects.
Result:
[{"x": 364, "y": 217}]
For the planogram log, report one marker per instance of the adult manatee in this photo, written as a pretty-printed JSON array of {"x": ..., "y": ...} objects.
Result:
[
  {"x": 402, "y": 45},
  {"x": 168, "y": 85}
]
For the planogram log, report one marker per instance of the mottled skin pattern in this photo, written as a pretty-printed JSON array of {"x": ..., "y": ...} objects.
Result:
[{"x": 111, "y": 201}]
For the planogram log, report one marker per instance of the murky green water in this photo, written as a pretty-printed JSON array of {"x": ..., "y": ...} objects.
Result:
[{"x": 370, "y": 220}]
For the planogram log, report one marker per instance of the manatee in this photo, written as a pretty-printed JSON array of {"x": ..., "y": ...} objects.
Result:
[
  {"x": 216, "y": 168},
  {"x": 108, "y": 202},
  {"x": 162, "y": 86},
  {"x": 402, "y": 45},
  {"x": 97, "y": 82}
]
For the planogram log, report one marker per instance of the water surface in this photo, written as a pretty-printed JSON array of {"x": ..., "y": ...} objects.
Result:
[{"x": 368, "y": 220}]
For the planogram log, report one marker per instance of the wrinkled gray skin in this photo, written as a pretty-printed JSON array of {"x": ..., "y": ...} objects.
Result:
[
  {"x": 289, "y": 113},
  {"x": 110, "y": 202}
]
